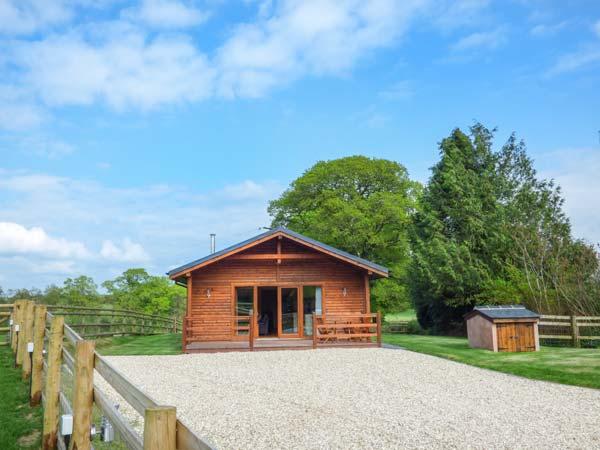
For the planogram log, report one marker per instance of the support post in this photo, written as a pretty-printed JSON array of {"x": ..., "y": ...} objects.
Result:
[
  {"x": 51, "y": 408},
  {"x": 251, "y": 331},
  {"x": 159, "y": 428},
  {"x": 575, "y": 331},
  {"x": 378, "y": 329},
  {"x": 314, "y": 324},
  {"x": 188, "y": 311},
  {"x": 25, "y": 336},
  {"x": 39, "y": 327},
  {"x": 83, "y": 395}
]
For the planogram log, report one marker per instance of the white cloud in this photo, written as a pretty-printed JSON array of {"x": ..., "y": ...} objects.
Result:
[
  {"x": 155, "y": 225},
  {"x": 596, "y": 28},
  {"x": 570, "y": 62},
  {"x": 128, "y": 252},
  {"x": 452, "y": 14},
  {"x": 481, "y": 40},
  {"x": 29, "y": 16},
  {"x": 166, "y": 14},
  {"x": 576, "y": 171},
  {"x": 125, "y": 70},
  {"x": 545, "y": 30},
  {"x": 45, "y": 147},
  {"x": 15, "y": 239},
  {"x": 401, "y": 90},
  {"x": 308, "y": 38}
]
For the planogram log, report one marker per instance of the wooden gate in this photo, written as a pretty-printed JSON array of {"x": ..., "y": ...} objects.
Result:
[{"x": 515, "y": 337}]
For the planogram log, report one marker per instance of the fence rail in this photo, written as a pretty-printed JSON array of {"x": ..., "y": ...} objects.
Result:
[
  {"x": 101, "y": 322},
  {"x": 64, "y": 347},
  {"x": 576, "y": 329},
  {"x": 349, "y": 329}
]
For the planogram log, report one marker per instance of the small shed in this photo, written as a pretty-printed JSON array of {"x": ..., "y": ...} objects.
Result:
[{"x": 506, "y": 328}]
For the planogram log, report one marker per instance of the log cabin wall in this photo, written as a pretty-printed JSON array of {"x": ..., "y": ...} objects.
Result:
[{"x": 211, "y": 315}]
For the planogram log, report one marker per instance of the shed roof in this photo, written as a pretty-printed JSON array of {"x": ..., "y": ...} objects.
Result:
[
  {"x": 503, "y": 312},
  {"x": 381, "y": 270}
]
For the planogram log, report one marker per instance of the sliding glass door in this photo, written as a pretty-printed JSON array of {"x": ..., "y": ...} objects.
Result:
[
  {"x": 289, "y": 311},
  {"x": 311, "y": 304}
]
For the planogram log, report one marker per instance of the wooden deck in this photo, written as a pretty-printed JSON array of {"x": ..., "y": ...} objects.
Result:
[{"x": 267, "y": 344}]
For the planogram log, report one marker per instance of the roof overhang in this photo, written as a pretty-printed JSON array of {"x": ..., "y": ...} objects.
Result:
[{"x": 371, "y": 268}]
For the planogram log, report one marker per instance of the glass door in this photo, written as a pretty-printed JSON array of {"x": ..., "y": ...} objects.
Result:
[
  {"x": 288, "y": 311},
  {"x": 311, "y": 304}
]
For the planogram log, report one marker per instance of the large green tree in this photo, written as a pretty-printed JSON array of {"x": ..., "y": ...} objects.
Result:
[
  {"x": 358, "y": 204},
  {"x": 489, "y": 231},
  {"x": 137, "y": 290}
]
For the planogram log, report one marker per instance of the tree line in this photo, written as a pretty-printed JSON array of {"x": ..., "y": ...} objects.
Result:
[
  {"x": 484, "y": 229},
  {"x": 134, "y": 290}
]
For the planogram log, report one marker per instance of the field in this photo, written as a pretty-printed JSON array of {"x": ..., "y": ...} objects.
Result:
[
  {"x": 21, "y": 425},
  {"x": 407, "y": 315},
  {"x": 579, "y": 367}
]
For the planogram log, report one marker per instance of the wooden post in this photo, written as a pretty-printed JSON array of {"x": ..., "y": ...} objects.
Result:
[
  {"x": 25, "y": 334},
  {"x": 575, "y": 331},
  {"x": 251, "y": 331},
  {"x": 39, "y": 326},
  {"x": 188, "y": 311},
  {"x": 16, "y": 316},
  {"x": 51, "y": 407},
  {"x": 314, "y": 324},
  {"x": 159, "y": 428},
  {"x": 83, "y": 395},
  {"x": 378, "y": 329}
]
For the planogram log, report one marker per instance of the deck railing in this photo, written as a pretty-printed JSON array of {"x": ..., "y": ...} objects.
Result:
[
  {"x": 59, "y": 348},
  {"x": 347, "y": 329}
]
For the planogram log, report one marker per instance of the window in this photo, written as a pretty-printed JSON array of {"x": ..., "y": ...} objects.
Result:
[{"x": 244, "y": 303}]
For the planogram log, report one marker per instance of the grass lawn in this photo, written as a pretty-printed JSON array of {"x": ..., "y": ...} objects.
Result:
[
  {"x": 21, "y": 425},
  {"x": 407, "y": 315},
  {"x": 161, "y": 344},
  {"x": 580, "y": 367}
]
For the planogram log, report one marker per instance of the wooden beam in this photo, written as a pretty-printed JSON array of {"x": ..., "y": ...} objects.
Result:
[
  {"x": 277, "y": 256},
  {"x": 367, "y": 295}
]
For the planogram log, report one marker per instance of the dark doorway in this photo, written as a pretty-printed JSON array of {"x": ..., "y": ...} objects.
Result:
[{"x": 267, "y": 311}]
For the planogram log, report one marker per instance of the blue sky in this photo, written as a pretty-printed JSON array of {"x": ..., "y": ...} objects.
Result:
[{"x": 129, "y": 131}]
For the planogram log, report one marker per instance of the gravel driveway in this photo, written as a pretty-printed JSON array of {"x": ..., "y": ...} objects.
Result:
[{"x": 362, "y": 398}]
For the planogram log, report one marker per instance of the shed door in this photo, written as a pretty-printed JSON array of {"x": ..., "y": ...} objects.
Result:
[{"x": 515, "y": 337}]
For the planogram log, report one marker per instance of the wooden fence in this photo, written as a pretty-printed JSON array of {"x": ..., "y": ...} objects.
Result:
[
  {"x": 57, "y": 346},
  {"x": 396, "y": 327},
  {"x": 101, "y": 322},
  {"x": 575, "y": 329}
]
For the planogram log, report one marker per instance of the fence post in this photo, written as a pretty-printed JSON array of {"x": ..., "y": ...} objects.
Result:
[
  {"x": 16, "y": 316},
  {"x": 378, "y": 329},
  {"x": 51, "y": 410},
  {"x": 25, "y": 334},
  {"x": 314, "y": 327},
  {"x": 575, "y": 331},
  {"x": 83, "y": 395},
  {"x": 39, "y": 327},
  {"x": 159, "y": 428}
]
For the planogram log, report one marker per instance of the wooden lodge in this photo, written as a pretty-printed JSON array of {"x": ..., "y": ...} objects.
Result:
[{"x": 278, "y": 290}]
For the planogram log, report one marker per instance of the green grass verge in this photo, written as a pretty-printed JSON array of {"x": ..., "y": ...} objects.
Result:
[
  {"x": 20, "y": 425},
  {"x": 407, "y": 315},
  {"x": 579, "y": 367},
  {"x": 160, "y": 344}
]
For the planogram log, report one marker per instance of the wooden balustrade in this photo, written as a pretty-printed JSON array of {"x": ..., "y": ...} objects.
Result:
[{"x": 349, "y": 329}]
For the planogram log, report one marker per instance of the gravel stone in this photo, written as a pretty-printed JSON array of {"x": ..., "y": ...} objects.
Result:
[{"x": 360, "y": 399}]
